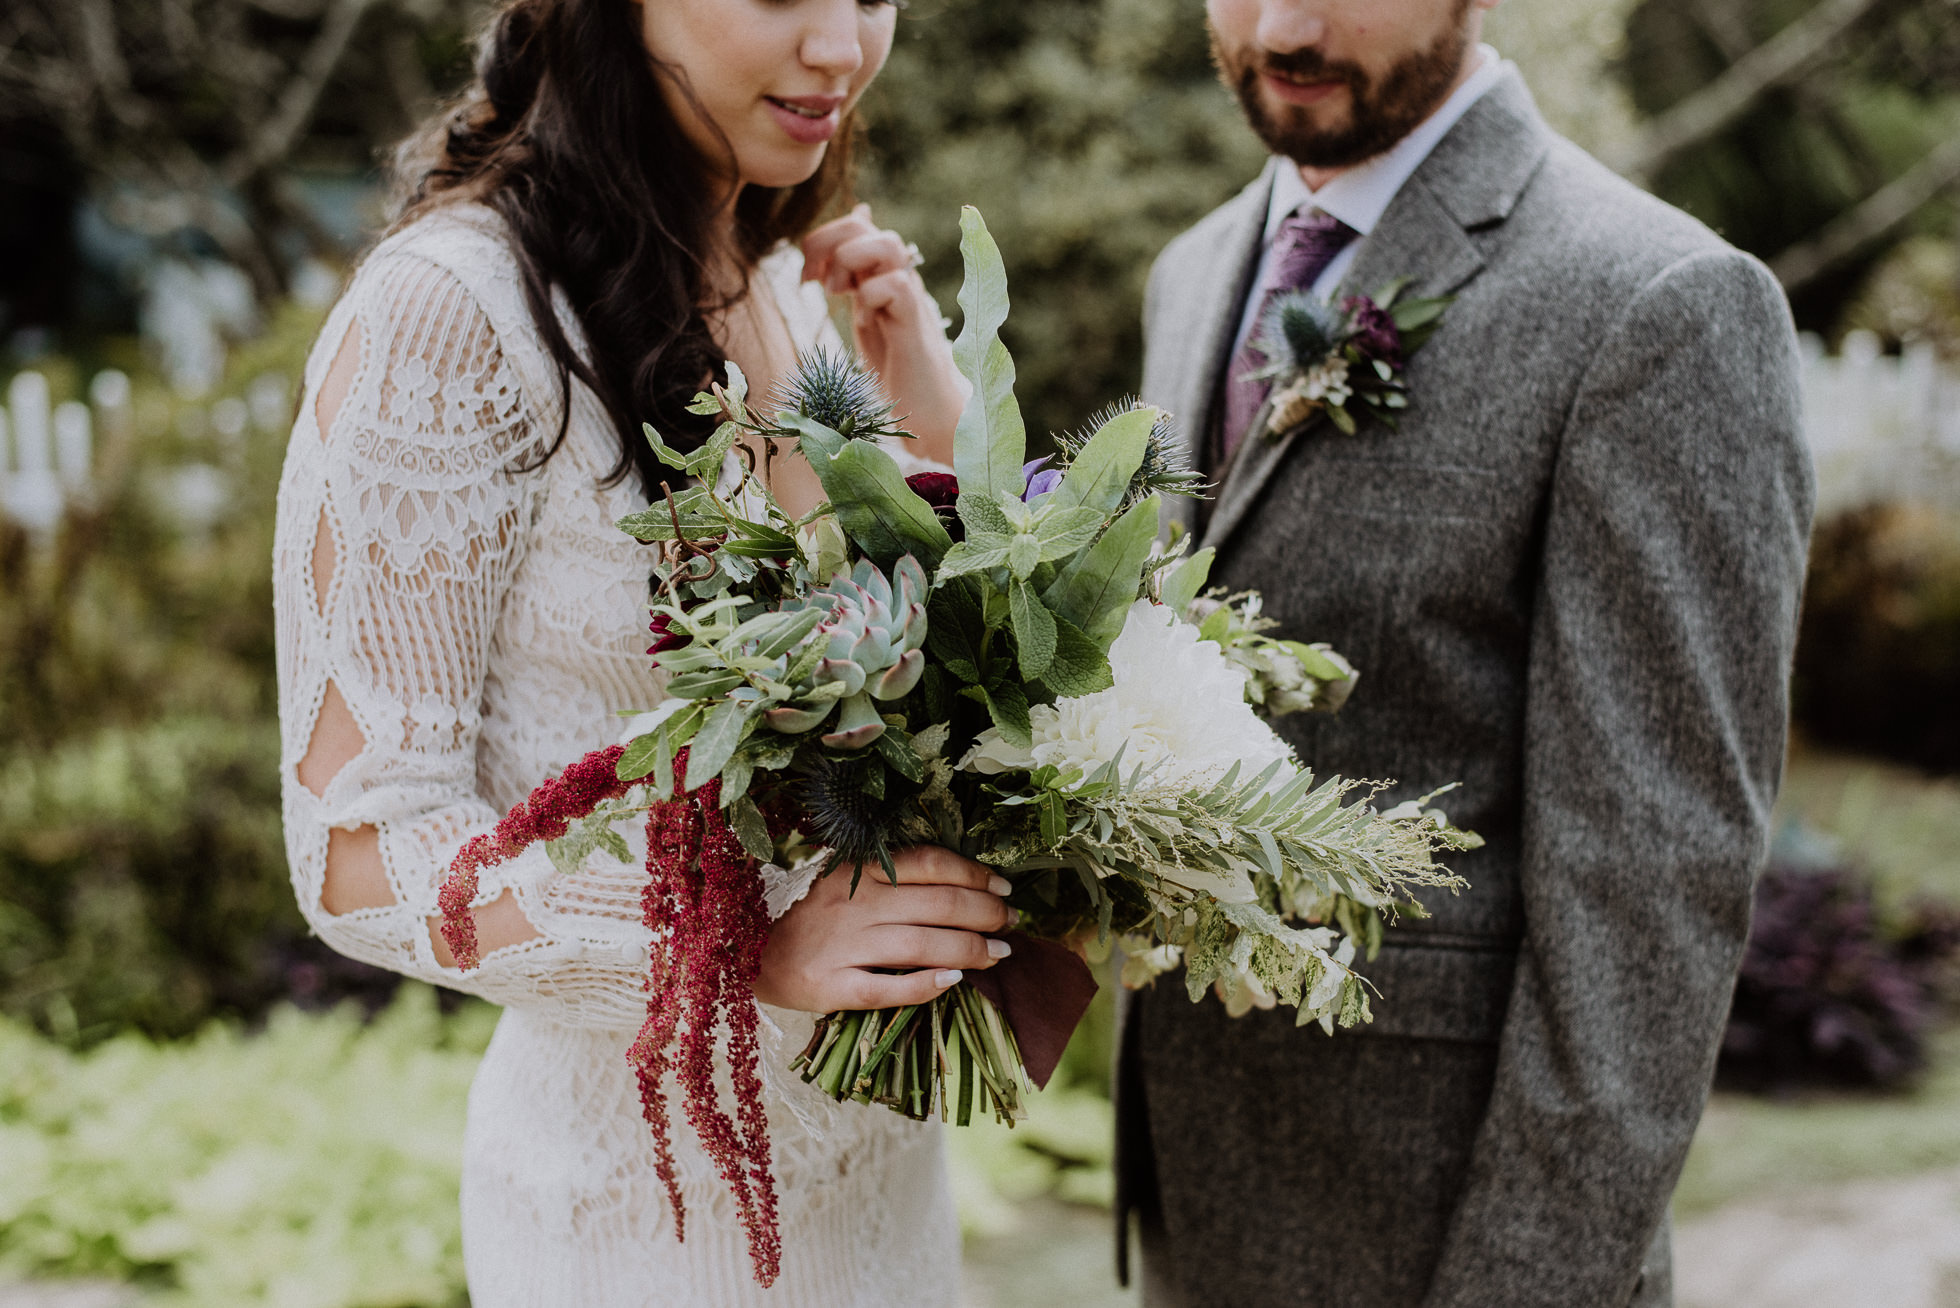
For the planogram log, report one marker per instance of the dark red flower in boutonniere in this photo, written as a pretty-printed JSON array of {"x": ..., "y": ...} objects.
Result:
[
  {"x": 940, "y": 490},
  {"x": 1375, "y": 333}
]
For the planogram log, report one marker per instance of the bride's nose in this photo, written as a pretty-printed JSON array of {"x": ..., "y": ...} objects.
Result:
[{"x": 833, "y": 44}]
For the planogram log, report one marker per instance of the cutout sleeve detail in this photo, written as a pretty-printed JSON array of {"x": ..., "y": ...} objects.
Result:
[{"x": 403, "y": 532}]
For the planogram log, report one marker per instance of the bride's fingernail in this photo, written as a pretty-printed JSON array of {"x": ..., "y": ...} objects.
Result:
[
  {"x": 1000, "y": 885},
  {"x": 949, "y": 977},
  {"x": 998, "y": 948}
]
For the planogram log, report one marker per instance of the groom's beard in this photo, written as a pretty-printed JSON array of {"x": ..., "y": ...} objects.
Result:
[{"x": 1383, "y": 112}]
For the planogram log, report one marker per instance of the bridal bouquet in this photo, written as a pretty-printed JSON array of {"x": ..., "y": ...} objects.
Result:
[{"x": 1004, "y": 661}]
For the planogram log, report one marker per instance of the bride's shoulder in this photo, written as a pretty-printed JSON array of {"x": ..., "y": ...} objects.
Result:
[
  {"x": 462, "y": 242},
  {"x": 451, "y": 272}
]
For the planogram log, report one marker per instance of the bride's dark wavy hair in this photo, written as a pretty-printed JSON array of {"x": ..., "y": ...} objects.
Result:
[{"x": 566, "y": 135}]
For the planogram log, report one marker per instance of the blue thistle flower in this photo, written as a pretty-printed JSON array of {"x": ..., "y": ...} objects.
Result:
[
  {"x": 1299, "y": 330},
  {"x": 838, "y": 391}
]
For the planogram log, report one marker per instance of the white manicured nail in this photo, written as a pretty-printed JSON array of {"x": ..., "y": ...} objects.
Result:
[
  {"x": 998, "y": 948},
  {"x": 1000, "y": 885},
  {"x": 948, "y": 977}
]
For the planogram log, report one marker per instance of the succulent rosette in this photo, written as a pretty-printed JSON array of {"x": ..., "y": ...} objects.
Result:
[{"x": 1004, "y": 659}]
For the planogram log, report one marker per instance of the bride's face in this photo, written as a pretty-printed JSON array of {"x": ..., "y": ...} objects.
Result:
[{"x": 770, "y": 80}]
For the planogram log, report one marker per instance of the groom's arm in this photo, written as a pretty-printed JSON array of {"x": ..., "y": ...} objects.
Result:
[{"x": 1661, "y": 645}]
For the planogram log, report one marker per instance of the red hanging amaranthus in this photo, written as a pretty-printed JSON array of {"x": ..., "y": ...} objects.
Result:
[
  {"x": 704, "y": 903},
  {"x": 704, "y": 898},
  {"x": 547, "y": 814}
]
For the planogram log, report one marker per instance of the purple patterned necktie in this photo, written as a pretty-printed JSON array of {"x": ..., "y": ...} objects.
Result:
[{"x": 1303, "y": 247}]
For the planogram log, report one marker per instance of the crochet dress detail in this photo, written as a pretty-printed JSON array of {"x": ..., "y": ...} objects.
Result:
[{"x": 485, "y": 627}]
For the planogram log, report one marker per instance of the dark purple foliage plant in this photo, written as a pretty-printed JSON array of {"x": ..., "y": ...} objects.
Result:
[{"x": 1831, "y": 993}]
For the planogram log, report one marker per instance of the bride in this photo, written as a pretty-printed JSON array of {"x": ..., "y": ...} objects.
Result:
[{"x": 626, "y": 197}]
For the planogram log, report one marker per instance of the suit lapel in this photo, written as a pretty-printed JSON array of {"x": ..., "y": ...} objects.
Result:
[
  {"x": 1225, "y": 280},
  {"x": 1473, "y": 178}
]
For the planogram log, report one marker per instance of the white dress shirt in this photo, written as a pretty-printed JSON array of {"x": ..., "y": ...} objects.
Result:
[{"x": 1360, "y": 195}]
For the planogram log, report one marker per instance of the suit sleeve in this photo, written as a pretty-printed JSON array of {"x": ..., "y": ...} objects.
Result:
[{"x": 1662, "y": 637}]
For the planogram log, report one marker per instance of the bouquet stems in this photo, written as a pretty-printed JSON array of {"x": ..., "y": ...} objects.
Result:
[{"x": 947, "y": 1057}]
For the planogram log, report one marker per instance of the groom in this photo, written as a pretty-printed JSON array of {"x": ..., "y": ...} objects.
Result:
[{"x": 1570, "y": 579}]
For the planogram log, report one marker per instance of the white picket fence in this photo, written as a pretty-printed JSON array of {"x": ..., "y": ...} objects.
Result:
[
  {"x": 1881, "y": 427},
  {"x": 50, "y": 454}
]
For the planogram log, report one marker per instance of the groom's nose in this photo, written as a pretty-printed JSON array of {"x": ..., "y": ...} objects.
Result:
[{"x": 1283, "y": 26}]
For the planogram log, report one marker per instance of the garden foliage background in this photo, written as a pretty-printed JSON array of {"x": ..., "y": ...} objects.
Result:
[{"x": 197, "y": 1099}]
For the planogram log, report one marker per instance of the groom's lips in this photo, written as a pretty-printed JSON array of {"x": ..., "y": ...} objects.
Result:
[{"x": 1301, "y": 92}]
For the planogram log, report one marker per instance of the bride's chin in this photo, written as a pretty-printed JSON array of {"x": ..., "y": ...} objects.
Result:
[{"x": 784, "y": 169}]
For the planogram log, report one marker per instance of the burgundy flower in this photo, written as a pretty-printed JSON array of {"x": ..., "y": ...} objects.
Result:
[
  {"x": 940, "y": 490},
  {"x": 1375, "y": 333},
  {"x": 664, "y": 635}
]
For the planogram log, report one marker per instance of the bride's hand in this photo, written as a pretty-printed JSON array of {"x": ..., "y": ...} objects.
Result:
[
  {"x": 897, "y": 324},
  {"x": 821, "y": 954}
]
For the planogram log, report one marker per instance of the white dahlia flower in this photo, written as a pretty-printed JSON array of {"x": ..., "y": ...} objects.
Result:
[{"x": 1177, "y": 709}]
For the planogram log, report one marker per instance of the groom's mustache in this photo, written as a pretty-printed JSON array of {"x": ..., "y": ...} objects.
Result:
[{"x": 1309, "y": 65}]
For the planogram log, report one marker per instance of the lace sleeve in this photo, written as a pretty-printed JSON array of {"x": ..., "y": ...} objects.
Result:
[{"x": 401, "y": 527}]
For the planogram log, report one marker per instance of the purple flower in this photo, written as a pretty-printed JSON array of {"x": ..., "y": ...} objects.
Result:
[
  {"x": 1040, "y": 477},
  {"x": 1375, "y": 334}
]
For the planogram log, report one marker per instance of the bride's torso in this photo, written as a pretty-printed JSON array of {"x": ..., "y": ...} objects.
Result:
[{"x": 560, "y": 1194}]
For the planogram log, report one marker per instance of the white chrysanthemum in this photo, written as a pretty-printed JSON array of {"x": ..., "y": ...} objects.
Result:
[{"x": 1177, "y": 709}]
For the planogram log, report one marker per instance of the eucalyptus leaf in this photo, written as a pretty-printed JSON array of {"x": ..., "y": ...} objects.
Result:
[
  {"x": 1186, "y": 580},
  {"x": 1099, "y": 477},
  {"x": 991, "y": 441},
  {"x": 818, "y": 443},
  {"x": 703, "y": 685},
  {"x": 716, "y": 742},
  {"x": 746, "y": 821},
  {"x": 666, "y": 453},
  {"x": 1064, "y": 531},
  {"x": 1096, "y": 590},
  {"x": 879, "y": 511}
]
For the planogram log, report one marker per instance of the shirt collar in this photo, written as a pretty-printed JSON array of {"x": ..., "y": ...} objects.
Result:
[{"x": 1361, "y": 195}]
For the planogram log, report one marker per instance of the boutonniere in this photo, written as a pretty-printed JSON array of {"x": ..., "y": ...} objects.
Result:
[{"x": 1343, "y": 360}]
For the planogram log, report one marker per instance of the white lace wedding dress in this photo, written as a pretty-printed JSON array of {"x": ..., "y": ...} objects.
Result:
[{"x": 486, "y": 627}]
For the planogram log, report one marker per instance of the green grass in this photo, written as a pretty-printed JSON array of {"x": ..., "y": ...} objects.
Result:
[
  {"x": 1899, "y": 824},
  {"x": 1748, "y": 1147}
]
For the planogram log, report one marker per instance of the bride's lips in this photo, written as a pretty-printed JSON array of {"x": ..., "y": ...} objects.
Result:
[
  {"x": 808, "y": 119},
  {"x": 1301, "y": 92}
]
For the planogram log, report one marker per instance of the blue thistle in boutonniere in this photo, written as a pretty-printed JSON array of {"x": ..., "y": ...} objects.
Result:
[{"x": 1324, "y": 358}]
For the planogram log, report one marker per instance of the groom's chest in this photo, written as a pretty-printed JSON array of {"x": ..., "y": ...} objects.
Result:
[{"x": 1423, "y": 544}]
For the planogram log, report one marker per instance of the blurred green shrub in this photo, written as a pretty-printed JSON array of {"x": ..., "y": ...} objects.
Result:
[
  {"x": 315, "y": 1163},
  {"x": 142, "y": 874},
  {"x": 1878, "y": 654},
  {"x": 1090, "y": 132}
]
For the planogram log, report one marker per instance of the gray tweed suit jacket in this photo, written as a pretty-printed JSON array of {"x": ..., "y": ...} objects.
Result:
[{"x": 1571, "y": 582}]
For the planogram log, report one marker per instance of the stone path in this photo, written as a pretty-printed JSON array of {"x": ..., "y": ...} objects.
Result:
[{"x": 1868, "y": 1244}]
